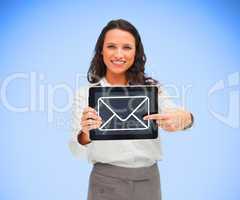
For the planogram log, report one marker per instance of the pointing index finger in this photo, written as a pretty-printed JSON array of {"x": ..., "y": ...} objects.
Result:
[{"x": 157, "y": 116}]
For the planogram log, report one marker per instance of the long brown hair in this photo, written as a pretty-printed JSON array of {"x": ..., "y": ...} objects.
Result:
[{"x": 135, "y": 74}]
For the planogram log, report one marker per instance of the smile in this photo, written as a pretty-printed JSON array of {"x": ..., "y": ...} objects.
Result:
[{"x": 118, "y": 62}]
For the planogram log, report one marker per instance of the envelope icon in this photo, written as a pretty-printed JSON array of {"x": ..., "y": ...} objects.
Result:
[{"x": 123, "y": 112}]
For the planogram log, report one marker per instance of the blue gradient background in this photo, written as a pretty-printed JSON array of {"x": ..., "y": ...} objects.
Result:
[{"x": 186, "y": 43}]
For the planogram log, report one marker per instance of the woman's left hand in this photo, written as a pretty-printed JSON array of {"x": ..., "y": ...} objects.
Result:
[{"x": 171, "y": 120}]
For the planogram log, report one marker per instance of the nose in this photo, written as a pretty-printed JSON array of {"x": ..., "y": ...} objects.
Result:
[{"x": 118, "y": 53}]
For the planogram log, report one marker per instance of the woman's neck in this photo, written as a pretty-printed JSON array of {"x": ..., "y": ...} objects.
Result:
[{"x": 116, "y": 79}]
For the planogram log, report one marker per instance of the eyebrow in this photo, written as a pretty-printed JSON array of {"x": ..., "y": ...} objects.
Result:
[{"x": 112, "y": 43}]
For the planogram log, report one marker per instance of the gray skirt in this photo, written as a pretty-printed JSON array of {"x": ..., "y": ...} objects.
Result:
[{"x": 108, "y": 182}]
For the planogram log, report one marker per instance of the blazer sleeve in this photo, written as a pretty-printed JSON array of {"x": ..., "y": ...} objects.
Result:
[
  {"x": 165, "y": 101},
  {"x": 80, "y": 101}
]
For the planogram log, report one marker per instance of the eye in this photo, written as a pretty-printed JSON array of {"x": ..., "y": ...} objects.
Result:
[
  {"x": 110, "y": 46},
  {"x": 127, "y": 47}
]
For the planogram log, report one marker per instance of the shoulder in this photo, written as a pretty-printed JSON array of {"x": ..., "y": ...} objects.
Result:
[
  {"x": 83, "y": 90},
  {"x": 150, "y": 81}
]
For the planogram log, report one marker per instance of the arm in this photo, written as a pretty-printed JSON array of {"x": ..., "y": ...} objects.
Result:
[
  {"x": 172, "y": 120},
  {"x": 80, "y": 101},
  {"x": 80, "y": 136},
  {"x": 89, "y": 120}
]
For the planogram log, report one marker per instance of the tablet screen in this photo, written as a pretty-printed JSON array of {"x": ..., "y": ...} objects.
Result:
[{"x": 122, "y": 110}]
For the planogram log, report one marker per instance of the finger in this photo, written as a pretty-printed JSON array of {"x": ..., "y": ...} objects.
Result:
[
  {"x": 164, "y": 123},
  {"x": 160, "y": 123},
  {"x": 91, "y": 115},
  {"x": 98, "y": 124},
  {"x": 170, "y": 128},
  {"x": 90, "y": 122},
  {"x": 94, "y": 126},
  {"x": 87, "y": 123},
  {"x": 157, "y": 117},
  {"x": 91, "y": 126},
  {"x": 173, "y": 122},
  {"x": 89, "y": 109}
]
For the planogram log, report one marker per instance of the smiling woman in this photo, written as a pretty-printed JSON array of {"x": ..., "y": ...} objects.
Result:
[
  {"x": 122, "y": 169},
  {"x": 119, "y": 42}
]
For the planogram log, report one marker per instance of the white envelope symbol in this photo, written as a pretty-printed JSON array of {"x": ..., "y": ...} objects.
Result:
[{"x": 114, "y": 115}]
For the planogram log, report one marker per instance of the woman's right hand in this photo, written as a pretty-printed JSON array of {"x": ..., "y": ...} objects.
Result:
[{"x": 90, "y": 120}]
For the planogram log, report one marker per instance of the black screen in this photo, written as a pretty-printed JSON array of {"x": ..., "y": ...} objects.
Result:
[{"x": 122, "y": 110}]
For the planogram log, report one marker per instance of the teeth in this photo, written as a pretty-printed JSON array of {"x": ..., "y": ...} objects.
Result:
[{"x": 118, "y": 62}]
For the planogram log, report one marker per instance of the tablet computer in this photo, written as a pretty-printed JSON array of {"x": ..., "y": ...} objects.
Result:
[{"x": 122, "y": 110}]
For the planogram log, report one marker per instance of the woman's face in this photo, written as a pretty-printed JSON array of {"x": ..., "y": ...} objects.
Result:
[{"x": 118, "y": 51}]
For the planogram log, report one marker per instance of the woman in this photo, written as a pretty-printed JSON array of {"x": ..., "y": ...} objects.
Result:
[{"x": 123, "y": 169}]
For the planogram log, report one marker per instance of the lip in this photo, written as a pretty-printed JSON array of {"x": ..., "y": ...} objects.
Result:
[{"x": 118, "y": 63}]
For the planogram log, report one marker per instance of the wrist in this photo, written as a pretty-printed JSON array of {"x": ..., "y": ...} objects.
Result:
[{"x": 83, "y": 138}]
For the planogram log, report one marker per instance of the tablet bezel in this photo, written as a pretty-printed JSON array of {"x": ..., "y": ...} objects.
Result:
[{"x": 123, "y": 135}]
